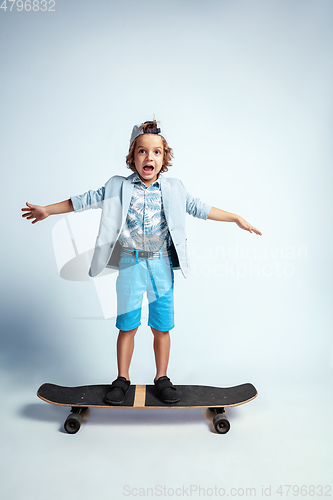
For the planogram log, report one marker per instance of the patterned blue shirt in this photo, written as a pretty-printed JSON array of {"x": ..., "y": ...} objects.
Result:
[{"x": 145, "y": 227}]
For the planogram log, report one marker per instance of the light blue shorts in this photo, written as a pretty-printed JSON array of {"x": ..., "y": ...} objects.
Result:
[{"x": 140, "y": 275}]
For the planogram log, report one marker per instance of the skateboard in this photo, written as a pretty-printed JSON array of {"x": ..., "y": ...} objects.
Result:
[{"x": 80, "y": 399}]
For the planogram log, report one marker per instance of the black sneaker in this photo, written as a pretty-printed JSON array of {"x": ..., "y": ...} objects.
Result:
[
  {"x": 167, "y": 392},
  {"x": 116, "y": 395}
]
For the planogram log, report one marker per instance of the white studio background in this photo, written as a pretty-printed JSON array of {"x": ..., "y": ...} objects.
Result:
[{"x": 243, "y": 89}]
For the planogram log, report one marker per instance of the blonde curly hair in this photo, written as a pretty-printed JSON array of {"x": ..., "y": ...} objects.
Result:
[{"x": 167, "y": 151}]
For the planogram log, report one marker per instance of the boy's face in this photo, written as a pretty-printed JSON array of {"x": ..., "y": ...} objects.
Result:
[{"x": 148, "y": 157}]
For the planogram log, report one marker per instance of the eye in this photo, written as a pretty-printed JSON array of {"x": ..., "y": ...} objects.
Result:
[
  {"x": 158, "y": 151},
  {"x": 141, "y": 150}
]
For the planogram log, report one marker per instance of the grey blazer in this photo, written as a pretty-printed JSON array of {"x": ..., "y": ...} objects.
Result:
[{"x": 114, "y": 200}]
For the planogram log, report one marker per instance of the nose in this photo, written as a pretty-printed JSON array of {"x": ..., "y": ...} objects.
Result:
[{"x": 149, "y": 155}]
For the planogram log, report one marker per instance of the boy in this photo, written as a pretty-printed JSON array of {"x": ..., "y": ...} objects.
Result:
[{"x": 142, "y": 232}]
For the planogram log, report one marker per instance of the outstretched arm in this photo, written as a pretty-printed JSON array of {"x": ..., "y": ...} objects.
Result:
[
  {"x": 222, "y": 216},
  {"x": 40, "y": 213}
]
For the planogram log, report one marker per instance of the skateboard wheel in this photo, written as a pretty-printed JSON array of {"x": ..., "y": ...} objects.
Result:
[
  {"x": 221, "y": 423},
  {"x": 73, "y": 423}
]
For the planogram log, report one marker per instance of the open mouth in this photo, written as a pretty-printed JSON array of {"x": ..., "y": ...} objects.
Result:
[{"x": 148, "y": 168}]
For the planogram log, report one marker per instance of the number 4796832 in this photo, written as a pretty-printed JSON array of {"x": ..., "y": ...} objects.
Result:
[{"x": 27, "y": 5}]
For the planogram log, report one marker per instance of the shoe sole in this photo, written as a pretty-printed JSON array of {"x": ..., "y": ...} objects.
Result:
[
  {"x": 114, "y": 403},
  {"x": 168, "y": 401}
]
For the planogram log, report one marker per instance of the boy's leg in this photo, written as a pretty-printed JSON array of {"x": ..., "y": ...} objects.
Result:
[
  {"x": 162, "y": 352},
  {"x": 125, "y": 347},
  {"x": 120, "y": 386},
  {"x": 166, "y": 390},
  {"x": 161, "y": 320},
  {"x": 130, "y": 287}
]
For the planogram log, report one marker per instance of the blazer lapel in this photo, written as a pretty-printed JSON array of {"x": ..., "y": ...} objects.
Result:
[
  {"x": 127, "y": 192},
  {"x": 166, "y": 193}
]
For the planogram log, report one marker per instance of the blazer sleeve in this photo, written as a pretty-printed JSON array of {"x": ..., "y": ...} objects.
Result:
[
  {"x": 196, "y": 208},
  {"x": 88, "y": 200}
]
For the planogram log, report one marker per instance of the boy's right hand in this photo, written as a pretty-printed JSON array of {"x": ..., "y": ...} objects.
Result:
[{"x": 35, "y": 212}]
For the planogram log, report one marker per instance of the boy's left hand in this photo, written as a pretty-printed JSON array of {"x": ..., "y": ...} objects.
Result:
[{"x": 245, "y": 225}]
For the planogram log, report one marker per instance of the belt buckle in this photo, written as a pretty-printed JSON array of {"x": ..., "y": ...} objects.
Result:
[{"x": 145, "y": 254}]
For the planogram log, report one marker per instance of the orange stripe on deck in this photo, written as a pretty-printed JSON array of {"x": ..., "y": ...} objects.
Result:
[{"x": 140, "y": 396}]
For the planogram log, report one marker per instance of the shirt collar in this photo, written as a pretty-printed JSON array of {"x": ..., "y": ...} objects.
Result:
[{"x": 137, "y": 179}]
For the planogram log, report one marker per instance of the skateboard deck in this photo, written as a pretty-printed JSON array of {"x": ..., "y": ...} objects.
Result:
[{"x": 145, "y": 397}]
